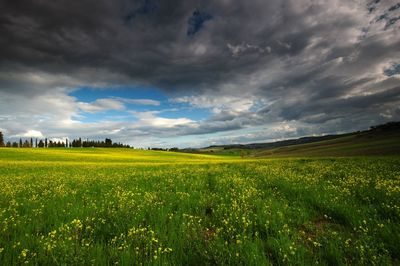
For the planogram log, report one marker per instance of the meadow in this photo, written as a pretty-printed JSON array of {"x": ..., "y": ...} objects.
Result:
[{"x": 131, "y": 207}]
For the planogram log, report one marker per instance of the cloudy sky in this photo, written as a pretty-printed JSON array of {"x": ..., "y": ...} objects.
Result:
[{"x": 196, "y": 73}]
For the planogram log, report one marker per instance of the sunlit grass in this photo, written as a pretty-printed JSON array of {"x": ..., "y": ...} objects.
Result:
[{"x": 106, "y": 206}]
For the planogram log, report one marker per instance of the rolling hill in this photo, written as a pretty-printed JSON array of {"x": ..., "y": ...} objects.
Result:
[{"x": 378, "y": 140}]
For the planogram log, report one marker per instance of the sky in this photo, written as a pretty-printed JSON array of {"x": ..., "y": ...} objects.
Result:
[{"x": 154, "y": 73}]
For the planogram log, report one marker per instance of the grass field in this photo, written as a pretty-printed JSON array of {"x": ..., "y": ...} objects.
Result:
[
  {"x": 354, "y": 145},
  {"x": 385, "y": 142},
  {"x": 128, "y": 207}
]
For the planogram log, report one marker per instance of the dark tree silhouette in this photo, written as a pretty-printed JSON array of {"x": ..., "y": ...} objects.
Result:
[
  {"x": 41, "y": 144},
  {"x": 108, "y": 142},
  {"x": 26, "y": 144},
  {"x": 1, "y": 139}
]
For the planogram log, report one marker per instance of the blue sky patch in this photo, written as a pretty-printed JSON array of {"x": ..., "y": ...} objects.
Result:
[
  {"x": 132, "y": 99},
  {"x": 393, "y": 70},
  {"x": 88, "y": 94}
]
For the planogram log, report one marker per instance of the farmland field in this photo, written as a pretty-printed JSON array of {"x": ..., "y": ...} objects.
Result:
[{"x": 123, "y": 206}]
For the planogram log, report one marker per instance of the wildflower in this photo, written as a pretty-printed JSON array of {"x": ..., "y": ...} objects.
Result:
[{"x": 24, "y": 252}]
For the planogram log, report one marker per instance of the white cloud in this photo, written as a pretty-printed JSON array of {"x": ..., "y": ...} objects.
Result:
[
  {"x": 118, "y": 104},
  {"x": 38, "y": 111},
  {"x": 237, "y": 50},
  {"x": 218, "y": 103},
  {"x": 284, "y": 127},
  {"x": 150, "y": 119},
  {"x": 140, "y": 101},
  {"x": 101, "y": 105},
  {"x": 32, "y": 134},
  {"x": 61, "y": 139}
]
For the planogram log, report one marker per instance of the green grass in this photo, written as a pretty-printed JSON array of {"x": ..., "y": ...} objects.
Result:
[
  {"x": 353, "y": 145},
  {"x": 386, "y": 142},
  {"x": 126, "y": 207}
]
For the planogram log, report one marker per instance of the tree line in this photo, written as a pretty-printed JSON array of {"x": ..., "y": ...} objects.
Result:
[{"x": 76, "y": 143}]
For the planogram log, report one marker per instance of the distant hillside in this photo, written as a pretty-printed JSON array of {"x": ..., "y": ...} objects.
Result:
[
  {"x": 378, "y": 140},
  {"x": 277, "y": 144}
]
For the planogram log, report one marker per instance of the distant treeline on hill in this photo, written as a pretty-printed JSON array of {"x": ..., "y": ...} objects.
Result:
[
  {"x": 387, "y": 126},
  {"x": 163, "y": 149},
  {"x": 76, "y": 143}
]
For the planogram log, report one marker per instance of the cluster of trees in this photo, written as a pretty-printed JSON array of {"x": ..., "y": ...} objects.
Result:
[
  {"x": 163, "y": 149},
  {"x": 78, "y": 143},
  {"x": 107, "y": 143},
  {"x": 29, "y": 143},
  {"x": 387, "y": 126}
]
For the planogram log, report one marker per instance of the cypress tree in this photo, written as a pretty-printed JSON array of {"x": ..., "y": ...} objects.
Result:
[
  {"x": 1, "y": 139},
  {"x": 41, "y": 144},
  {"x": 26, "y": 144}
]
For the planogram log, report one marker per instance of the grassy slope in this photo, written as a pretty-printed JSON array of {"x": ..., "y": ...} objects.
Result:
[
  {"x": 387, "y": 143},
  {"x": 371, "y": 142},
  {"x": 103, "y": 206}
]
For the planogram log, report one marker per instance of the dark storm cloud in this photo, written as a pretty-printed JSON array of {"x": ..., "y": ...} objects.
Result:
[
  {"x": 144, "y": 8},
  {"x": 304, "y": 61},
  {"x": 65, "y": 37},
  {"x": 196, "y": 21}
]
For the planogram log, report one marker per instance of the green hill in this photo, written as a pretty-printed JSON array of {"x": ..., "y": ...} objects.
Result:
[
  {"x": 378, "y": 140},
  {"x": 386, "y": 142}
]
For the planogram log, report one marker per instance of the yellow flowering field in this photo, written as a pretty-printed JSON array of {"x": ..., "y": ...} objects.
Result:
[{"x": 129, "y": 207}]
